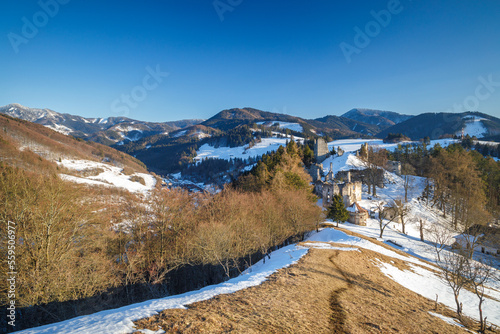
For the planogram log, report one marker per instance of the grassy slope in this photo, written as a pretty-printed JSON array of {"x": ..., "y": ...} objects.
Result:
[
  {"x": 19, "y": 139},
  {"x": 328, "y": 291}
]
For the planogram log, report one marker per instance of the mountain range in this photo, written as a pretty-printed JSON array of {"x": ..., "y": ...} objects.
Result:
[
  {"x": 107, "y": 131},
  {"x": 161, "y": 145}
]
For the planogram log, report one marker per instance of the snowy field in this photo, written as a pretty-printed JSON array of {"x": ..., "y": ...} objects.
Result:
[
  {"x": 272, "y": 144},
  {"x": 266, "y": 145},
  {"x": 474, "y": 127},
  {"x": 351, "y": 145},
  {"x": 110, "y": 176}
]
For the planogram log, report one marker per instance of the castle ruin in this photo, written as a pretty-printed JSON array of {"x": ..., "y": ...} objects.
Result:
[
  {"x": 348, "y": 190},
  {"x": 320, "y": 150}
]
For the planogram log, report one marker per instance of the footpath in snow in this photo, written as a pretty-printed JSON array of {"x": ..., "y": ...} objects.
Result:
[{"x": 421, "y": 278}]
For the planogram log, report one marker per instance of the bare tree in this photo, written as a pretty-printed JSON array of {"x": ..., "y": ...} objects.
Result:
[
  {"x": 454, "y": 267},
  {"x": 383, "y": 213},
  {"x": 421, "y": 228},
  {"x": 400, "y": 210},
  {"x": 407, "y": 171},
  {"x": 477, "y": 274},
  {"x": 373, "y": 161},
  {"x": 440, "y": 238}
]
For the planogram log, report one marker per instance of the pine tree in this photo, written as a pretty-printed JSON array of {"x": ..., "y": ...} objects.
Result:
[{"x": 337, "y": 211}]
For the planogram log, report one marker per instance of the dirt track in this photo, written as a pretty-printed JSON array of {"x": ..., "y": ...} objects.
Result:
[{"x": 328, "y": 291}]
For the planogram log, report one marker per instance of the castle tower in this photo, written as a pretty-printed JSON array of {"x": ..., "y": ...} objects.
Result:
[{"x": 320, "y": 150}]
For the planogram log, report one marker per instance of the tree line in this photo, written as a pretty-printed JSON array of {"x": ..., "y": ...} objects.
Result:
[
  {"x": 460, "y": 182},
  {"x": 74, "y": 243}
]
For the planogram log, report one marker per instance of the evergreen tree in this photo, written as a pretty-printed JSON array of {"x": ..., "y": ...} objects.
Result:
[{"x": 337, "y": 211}]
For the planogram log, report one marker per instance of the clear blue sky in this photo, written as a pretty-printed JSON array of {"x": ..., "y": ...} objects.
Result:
[{"x": 282, "y": 56}]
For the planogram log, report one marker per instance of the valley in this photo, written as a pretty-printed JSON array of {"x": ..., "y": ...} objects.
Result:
[{"x": 247, "y": 245}]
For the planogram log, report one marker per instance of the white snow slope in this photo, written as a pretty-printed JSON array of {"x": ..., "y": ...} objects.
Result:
[
  {"x": 266, "y": 145},
  {"x": 111, "y": 176},
  {"x": 474, "y": 127},
  {"x": 351, "y": 145}
]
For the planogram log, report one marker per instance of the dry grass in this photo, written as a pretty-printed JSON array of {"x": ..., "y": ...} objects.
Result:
[{"x": 328, "y": 291}]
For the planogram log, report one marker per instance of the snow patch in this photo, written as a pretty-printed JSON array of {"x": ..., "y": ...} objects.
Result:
[
  {"x": 110, "y": 176},
  {"x": 474, "y": 127},
  {"x": 266, "y": 145},
  {"x": 60, "y": 128}
]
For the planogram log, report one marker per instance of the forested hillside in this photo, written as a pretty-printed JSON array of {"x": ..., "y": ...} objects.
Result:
[{"x": 84, "y": 249}]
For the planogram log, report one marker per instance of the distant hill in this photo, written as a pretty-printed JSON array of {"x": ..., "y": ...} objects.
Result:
[
  {"x": 231, "y": 118},
  {"x": 343, "y": 126},
  {"x": 167, "y": 147},
  {"x": 36, "y": 147},
  {"x": 107, "y": 131},
  {"x": 333, "y": 126},
  {"x": 383, "y": 119},
  {"x": 436, "y": 125}
]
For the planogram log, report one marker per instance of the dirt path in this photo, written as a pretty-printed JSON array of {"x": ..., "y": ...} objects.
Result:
[{"x": 327, "y": 291}]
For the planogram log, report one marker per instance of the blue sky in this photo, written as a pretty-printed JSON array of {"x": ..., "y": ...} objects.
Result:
[{"x": 95, "y": 58}]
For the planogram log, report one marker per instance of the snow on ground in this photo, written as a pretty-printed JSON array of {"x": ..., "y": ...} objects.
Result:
[
  {"x": 325, "y": 245},
  {"x": 244, "y": 152},
  {"x": 286, "y": 125},
  {"x": 120, "y": 320},
  {"x": 201, "y": 135},
  {"x": 331, "y": 235},
  {"x": 60, "y": 128},
  {"x": 351, "y": 145},
  {"x": 474, "y": 127},
  {"x": 342, "y": 163},
  {"x": 109, "y": 175},
  {"x": 451, "y": 321},
  {"x": 421, "y": 278},
  {"x": 428, "y": 284},
  {"x": 291, "y": 126},
  {"x": 82, "y": 180},
  {"x": 179, "y": 134}
]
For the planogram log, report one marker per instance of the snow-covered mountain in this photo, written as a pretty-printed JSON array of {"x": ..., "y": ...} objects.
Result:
[
  {"x": 436, "y": 125},
  {"x": 110, "y": 130}
]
